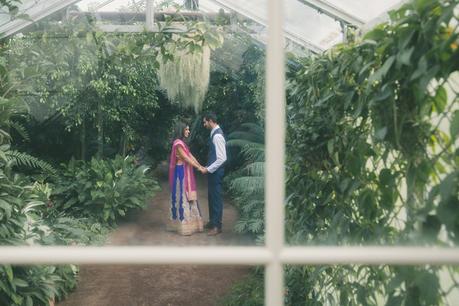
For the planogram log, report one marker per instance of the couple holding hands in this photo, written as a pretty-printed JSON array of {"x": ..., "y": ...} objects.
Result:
[{"x": 185, "y": 217}]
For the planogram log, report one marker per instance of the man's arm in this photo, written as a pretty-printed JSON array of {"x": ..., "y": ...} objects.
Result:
[{"x": 219, "y": 142}]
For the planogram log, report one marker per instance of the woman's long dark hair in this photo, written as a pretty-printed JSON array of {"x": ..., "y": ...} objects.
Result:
[{"x": 178, "y": 131}]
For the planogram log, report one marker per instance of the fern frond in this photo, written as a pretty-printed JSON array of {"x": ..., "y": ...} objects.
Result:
[
  {"x": 241, "y": 143},
  {"x": 253, "y": 128},
  {"x": 249, "y": 207},
  {"x": 247, "y": 136},
  {"x": 4, "y": 136},
  {"x": 251, "y": 150},
  {"x": 16, "y": 158},
  {"x": 254, "y": 152},
  {"x": 20, "y": 129},
  {"x": 248, "y": 184},
  {"x": 256, "y": 168}
]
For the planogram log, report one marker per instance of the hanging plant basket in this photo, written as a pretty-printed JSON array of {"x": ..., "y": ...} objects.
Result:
[{"x": 185, "y": 74}]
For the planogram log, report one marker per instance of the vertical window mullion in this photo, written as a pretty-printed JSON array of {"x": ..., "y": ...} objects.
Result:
[{"x": 275, "y": 135}]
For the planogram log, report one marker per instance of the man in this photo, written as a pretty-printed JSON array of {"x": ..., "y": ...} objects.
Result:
[{"x": 215, "y": 169}]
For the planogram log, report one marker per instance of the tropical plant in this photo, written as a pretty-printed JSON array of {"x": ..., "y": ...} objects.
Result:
[
  {"x": 103, "y": 189},
  {"x": 27, "y": 217},
  {"x": 247, "y": 183}
]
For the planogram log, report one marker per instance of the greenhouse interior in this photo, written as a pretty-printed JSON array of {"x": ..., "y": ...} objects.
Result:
[{"x": 144, "y": 123}]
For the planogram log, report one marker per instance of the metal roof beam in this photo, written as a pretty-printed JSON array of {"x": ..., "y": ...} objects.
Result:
[{"x": 334, "y": 12}]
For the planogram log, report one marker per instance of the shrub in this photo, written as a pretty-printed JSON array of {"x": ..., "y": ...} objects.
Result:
[
  {"x": 103, "y": 189},
  {"x": 27, "y": 218}
]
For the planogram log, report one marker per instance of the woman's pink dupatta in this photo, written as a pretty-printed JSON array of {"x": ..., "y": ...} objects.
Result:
[{"x": 189, "y": 179}]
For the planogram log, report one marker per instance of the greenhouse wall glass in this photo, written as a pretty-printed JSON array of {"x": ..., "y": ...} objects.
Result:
[{"x": 227, "y": 152}]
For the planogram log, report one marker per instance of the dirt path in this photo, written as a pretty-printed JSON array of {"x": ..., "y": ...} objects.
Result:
[{"x": 121, "y": 285}]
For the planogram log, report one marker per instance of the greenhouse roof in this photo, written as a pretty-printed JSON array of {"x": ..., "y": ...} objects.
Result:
[{"x": 314, "y": 24}]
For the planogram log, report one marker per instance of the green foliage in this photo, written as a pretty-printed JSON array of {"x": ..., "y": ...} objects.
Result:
[
  {"x": 236, "y": 92},
  {"x": 363, "y": 123},
  {"x": 185, "y": 65},
  {"x": 366, "y": 157},
  {"x": 27, "y": 217},
  {"x": 372, "y": 157},
  {"x": 102, "y": 85},
  {"x": 103, "y": 189},
  {"x": 9, "y": 107},
  {"x": 15, "y": 158},
  {"x": 12, "y": 6},
  {"x": 246, "y": 184},
  {"x": 35, "y": 285},
  {"x": 248, "y": 292}
]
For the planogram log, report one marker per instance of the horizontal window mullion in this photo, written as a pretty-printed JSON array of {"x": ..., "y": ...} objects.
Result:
[
  {"x": 135, "y": 255},
  {"x": 228, "y": 255},
  {"x": 393, "y": 255}
]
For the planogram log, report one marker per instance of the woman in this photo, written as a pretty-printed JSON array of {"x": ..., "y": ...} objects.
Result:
[{"x": 185, "y": 214}]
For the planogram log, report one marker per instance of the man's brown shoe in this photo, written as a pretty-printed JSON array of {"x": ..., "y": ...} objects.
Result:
[
  {"x": 208, "y": 225},
  {"x": 214, "y": 231}
]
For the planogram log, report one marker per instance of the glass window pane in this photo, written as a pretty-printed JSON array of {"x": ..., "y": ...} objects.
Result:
[
  {"x": 93, "y": 103},
  {"x": 372, "y": 150},
  {"x": 364, "y": 10},
  {"x": 371, "y": 285},
  {"x": 68, "y": 285},
  {"x": 303, "y": 25}
]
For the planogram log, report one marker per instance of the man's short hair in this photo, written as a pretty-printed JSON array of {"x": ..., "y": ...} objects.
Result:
[{"x": 210, "y": 116}]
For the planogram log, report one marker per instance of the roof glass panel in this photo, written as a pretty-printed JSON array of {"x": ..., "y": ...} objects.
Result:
[
  {"x": 364, "y": 9},
  {"x": 304, "y": 24}
]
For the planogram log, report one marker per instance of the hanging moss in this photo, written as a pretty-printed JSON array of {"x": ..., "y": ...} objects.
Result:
[{"x": 186, "y": 77}]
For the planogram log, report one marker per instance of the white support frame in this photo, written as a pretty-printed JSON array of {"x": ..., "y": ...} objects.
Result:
[
  {"x": 234, "y": 255},
  {"x": 150, "y": 15},
  {"x": 334, "y": 12},
  {"x": 275, "y": 254}
]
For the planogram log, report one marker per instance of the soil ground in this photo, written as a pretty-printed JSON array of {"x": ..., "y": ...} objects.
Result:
[{"x": 138, "y": 285}]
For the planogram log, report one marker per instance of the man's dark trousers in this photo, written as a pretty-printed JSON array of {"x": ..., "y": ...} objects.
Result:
[{"x": 215, "y": 181}]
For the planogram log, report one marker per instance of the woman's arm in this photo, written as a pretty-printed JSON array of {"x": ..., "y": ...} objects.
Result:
[
  {"x": 191, "y": 161},
  {"x": 194, "y": 159}
]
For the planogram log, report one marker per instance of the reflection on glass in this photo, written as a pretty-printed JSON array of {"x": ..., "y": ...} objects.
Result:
[{"x": 90, "y": 102}]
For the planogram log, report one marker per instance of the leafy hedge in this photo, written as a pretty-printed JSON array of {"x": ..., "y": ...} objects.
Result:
[{"x": 373, "y": 158}]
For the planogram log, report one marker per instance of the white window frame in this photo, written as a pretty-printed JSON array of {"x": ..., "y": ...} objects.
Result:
[{"x": 274, "y": 254}]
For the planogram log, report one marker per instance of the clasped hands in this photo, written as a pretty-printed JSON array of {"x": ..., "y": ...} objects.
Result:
[{"x": 202, "y": 169}]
